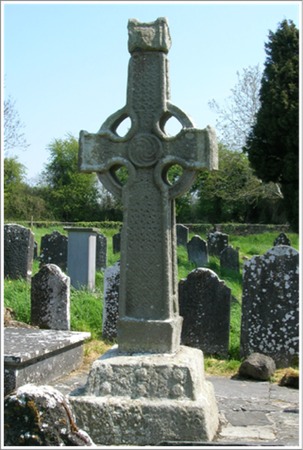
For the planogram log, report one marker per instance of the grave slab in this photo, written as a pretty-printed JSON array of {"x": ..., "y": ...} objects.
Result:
[{"x": 39, "y": 356}]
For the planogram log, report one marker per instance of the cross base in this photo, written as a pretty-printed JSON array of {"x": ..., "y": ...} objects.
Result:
[
  {"x": 149, "y": 336},
  {"x": 147, "y": 399}
]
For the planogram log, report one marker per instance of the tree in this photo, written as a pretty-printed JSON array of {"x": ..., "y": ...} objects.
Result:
[
  {"x": 71, "y": 195},
  {"x": 238, "y": 115},
  {"x": 273, "y": 144},
  {"x": 14, "y": 137}
]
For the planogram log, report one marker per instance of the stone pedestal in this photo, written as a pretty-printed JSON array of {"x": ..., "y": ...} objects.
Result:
[
  {"x": 145, "y": 399},
  {"x": 81, "y": 256}
]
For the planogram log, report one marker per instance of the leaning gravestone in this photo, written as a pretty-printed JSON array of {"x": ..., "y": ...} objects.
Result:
[
  {"x": 148, "y": 389},
  {"x": 101, "y": 251},
  {"x": 53, "y": 250},
  {"x": 111, "y": 302},
  {"x": 205, "y": 307},
  {"x": 182, "y": 234},
  {"x": 18, "y": 252},
  {"x": 217, "y": 242},
  {"x": 282, "y": 239},
  {"x": 50, "y": 299},
  {"x": 229, "y": 259},
  {"x": 197, "y": 251},
  {"x": 270, "y": 305}
]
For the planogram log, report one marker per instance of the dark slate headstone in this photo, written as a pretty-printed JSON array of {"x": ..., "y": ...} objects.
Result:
[
  {"x": 18, "y": 251},
  {"x": 229, "y": 259},
  {"x": 217, "y": 242},
  {"x": 53, "y": 250},
  {"x": 205, "y": 307},
  {"x": 101, "y": 251},
  {"x": 197, "y": 251},
  {"x": 50, "y": 299},
  {"x": 182, "y": 234},
  {"x": 282, "y": 239},
  {"x": 41, "y": 416},
  {"x": 270, "y": 305},
  {"x": 116, "y": 242},
  {"x": 111, "y": 302},
  {"x": 35, "y": 250}
]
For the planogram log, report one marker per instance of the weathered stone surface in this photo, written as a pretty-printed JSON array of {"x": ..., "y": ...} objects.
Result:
[
  {"x": 229, "y": 259},
  {"x": 257, "y": 366},
  {"x": 149, "y": 321},
  {"x": 182, "y": 234},
  {"x": 82, "y": 247},
  {"x": 197, "y": 251},
  {"x": 50, "y": 299},
  {"x": 18, "y": 251},
  {"x": 205, "y": 307},
  {"x": 148, "y": 318},
  {"x": 53, "y": 250},
  {"x": 111, "y": 302},
  {"x": 39, "y": 356},
  {"x": 41, "y": 416},
  {"x": 147, "y": 399},
  {"x": 282, "y": 239},
  {"x": 217, "y": 242},
  {"x": 270, "y": 305},
  {"x": 101, "y": 252}
]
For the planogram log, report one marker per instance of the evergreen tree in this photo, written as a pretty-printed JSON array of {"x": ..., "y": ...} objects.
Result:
[{"x": 273, "y": 143}]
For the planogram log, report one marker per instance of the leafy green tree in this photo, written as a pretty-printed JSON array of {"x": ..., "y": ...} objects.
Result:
[
  {"x": 71, "y": 195},
  {"x": 21, "y": 201},
  {"x": 273, "y": 143},
  {"x": 233, "y": 193}
]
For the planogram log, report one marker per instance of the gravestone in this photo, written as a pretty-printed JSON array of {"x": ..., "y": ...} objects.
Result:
[
  {"x": 53, "y": 250},
  {"x": 116, "y": 242},
  {"x": 35, "y": 250},
  {"x": 205, "y": 307},
  {"x": 111, "y": 302},
  {"x": 81, "y": 257},
  {"x": 182, "y": 234},
  {"x": 270, "y": 305},
  {"x": 197, "y": 251},
  {"x": 50, "y": 299},
  {"x": 148, "y": 388},
  {"x": 229, "y": 259},
  {"x": 18, "y": 251},
  {"x": 217, "y": 242},
  {"x": 101, "y": 252},
  {"x": 282, "y": 239}
]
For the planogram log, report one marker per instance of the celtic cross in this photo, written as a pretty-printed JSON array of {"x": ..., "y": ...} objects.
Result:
[{"x": 149, "y": 318}]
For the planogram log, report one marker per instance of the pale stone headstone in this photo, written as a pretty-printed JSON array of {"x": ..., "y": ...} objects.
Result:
[
  {"x": 81, "y": 257},
  {"x": 182, "y": 234},
  {"x": 111, "y": 302},
  {"x": 217, "y": 242},
  {"x": 53, "y": 250},
  {"x": 205, "y": 307},
  {"x": 197, "y": 251},
  {"x": 149, "y": 366},
  {"x": 282, "y": 239},
  {"x": 50, "y": 299},
  {"x": 116, "y": 242},
  {"x": 18, "y": 251},
  {"x": 101, "y": 251},
  {"x": 229, "y": 259},
  {"x": 270, "y": 305}
]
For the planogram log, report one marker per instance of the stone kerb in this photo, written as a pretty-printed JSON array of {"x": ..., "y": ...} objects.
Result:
[
  {"x": 270, "y": 305},
  {"x": 18, "y": 251}
]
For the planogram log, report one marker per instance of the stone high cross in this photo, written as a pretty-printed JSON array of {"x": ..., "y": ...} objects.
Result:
[{"x": 149, "y": 318}]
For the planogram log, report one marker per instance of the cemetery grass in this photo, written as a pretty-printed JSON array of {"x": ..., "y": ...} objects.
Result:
[{"x": 86, "y": 306}]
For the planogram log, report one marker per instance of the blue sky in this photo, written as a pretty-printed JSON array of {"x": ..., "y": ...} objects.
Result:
[{"x": 65, "y": 63}]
